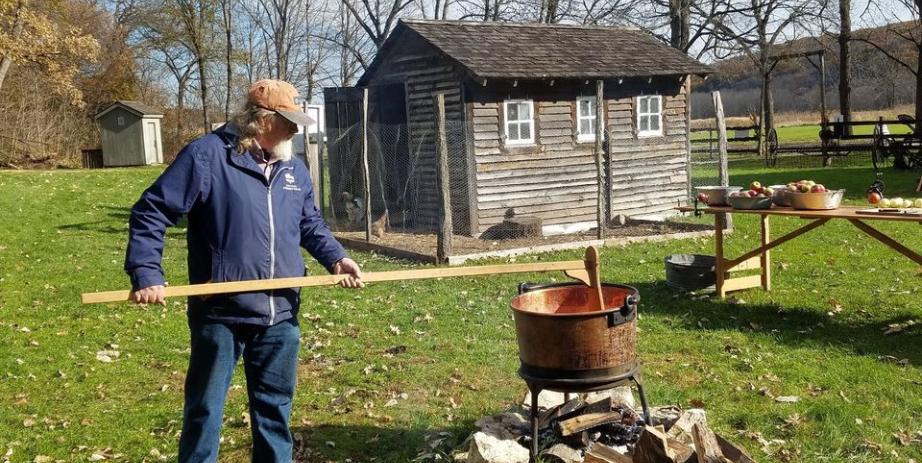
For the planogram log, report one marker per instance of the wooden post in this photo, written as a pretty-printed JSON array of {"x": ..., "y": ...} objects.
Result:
[
  {"x": 443, "y": 243},
  {"x": 366, "y": 176},
  {"x": 311, "y": 160},
  {"x": 690, "y": 193},
  {"x": 599, "y": 164},
  {"x": 765, "y": 259},
  {"x": 321, "y": 150},
  {"x": 719, "y": 264},
  {"x": 722, "y": 167},
  {"x": 824, "y": 120}
]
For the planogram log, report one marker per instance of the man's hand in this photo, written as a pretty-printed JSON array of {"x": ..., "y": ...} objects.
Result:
[
  {"x": 348, "y": 266},
  {"x": 150, "y": 295}
]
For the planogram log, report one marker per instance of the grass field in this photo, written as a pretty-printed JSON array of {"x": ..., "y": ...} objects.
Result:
[{"x": 106, "y": 380}]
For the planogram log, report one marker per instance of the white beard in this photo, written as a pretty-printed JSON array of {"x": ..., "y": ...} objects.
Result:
[{"x": 283, "y": 150}]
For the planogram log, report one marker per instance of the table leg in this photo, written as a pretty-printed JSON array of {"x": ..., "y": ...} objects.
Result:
[
  {"x": 892, "y": 243},
  {"x": 719, "y": 257},
  {"x": 766, "y": 255}
]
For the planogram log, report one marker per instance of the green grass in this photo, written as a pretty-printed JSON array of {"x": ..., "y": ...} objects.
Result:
[{"x": 64, "y": 233}]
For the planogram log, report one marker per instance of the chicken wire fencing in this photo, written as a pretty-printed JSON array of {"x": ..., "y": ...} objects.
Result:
[
  {"x": 498, "y": 199},
  {"x": 402, "y": 188}
]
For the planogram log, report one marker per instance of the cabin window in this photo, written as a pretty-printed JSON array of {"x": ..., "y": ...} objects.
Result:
[
  {"x": 120, "y": 120},
  {"x": 520, "y": 123},
  {"x": 585, "y": 118},
  {"x": 649, "y": 116}
]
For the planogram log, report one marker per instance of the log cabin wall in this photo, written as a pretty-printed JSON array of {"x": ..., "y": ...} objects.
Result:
[
  {"x": 425, "y": 72},
  {"x": 649, "y": 175},
  {"x": 555, "y": 178}
]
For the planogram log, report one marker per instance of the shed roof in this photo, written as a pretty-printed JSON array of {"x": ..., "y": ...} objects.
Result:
[
  {"x": 543, "y": 51},
  {"x": 136, "y": 107}
]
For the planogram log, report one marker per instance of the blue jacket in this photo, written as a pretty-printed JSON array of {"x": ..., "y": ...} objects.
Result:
[{"x": 240, "y": 227}]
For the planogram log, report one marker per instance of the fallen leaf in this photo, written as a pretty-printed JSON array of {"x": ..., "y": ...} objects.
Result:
[{"x": 902, "y": 437}]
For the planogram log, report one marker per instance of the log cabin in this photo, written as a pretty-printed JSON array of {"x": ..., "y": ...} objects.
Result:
[{"x": 521, "y": 112}]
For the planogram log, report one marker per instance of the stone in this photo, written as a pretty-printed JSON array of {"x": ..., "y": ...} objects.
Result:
[
  {"x": 621, "y": 396},
  {"x": 682, "y": 429},
  {"x": 515, "y": 227},
  {"x": 561, "y": 453},
  {"x": 488, "y": 449},
  {"x": 546, "y": 399},
  {"x": 504, "y": 426},
  {"x": 664, "y": 416}
]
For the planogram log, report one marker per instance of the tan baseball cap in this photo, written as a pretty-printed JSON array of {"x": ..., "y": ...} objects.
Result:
[{"x": 278, "y": 96}]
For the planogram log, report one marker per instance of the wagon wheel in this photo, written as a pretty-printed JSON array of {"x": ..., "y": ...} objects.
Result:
[
  {"x": 879, "y": 149},
  {"x": 772, "y": 149}
]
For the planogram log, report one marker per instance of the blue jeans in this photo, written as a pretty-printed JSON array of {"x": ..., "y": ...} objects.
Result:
[{"x": 270, "y": 360}]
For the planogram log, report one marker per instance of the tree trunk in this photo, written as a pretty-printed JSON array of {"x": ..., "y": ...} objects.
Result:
[
  {"x": 227, "y": 57},
  {"x": 679, "y": 17},
  {"x": 845, "y": 33},
  {"x": 6, "y": 61},
  {"x": 180, "y": 106},
  {"x": 918, "y": 123},
  {"x": 203, "y": 85},
  {"x": 769, "y": 104}
]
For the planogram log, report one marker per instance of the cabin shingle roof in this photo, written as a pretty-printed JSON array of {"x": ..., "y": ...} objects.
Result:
[
  {"x": 542, "y": 51},
  {"x": 137, "y": 107}
]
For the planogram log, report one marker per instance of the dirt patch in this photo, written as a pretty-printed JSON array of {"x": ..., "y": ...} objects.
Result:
[{"x": 422, "y": 246}]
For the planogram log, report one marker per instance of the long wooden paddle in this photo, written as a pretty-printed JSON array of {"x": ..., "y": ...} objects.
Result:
[{"x": 574, "y": 269}]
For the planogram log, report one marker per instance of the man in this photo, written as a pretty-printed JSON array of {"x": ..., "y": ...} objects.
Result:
[{"x": 249, "y": 207}]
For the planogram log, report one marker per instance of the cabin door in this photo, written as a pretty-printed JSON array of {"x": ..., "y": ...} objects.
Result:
[{"x": 151, "y": 143}]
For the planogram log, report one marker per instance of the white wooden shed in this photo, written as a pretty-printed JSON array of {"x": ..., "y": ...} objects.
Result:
[{"x": 130, "y": 134}]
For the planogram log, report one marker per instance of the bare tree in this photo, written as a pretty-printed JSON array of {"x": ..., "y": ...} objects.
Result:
[
  {"x": 486, "y": 10},
  {"x": 318, "y": 50},
  {"x": 227, "y": 9},
  {"x": 196, "y": 26},
  {"x": 376, "y": 18},
  {"x": 845, "y": 89},
  {"x": 901, "y": 35},
  {"x": 755, "y": 28}
]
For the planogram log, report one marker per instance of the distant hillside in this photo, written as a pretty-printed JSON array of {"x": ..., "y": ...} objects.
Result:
[{"x": 877, "y": 82}]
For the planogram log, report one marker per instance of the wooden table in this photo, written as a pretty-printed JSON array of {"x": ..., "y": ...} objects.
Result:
[{"x": 759, "y": 258}]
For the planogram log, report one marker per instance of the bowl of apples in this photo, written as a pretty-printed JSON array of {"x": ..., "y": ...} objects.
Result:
[
  {"x": 809, "y": 195},
  {"x": 780, "y": 195},
  {"x": 756, "y": 197}
]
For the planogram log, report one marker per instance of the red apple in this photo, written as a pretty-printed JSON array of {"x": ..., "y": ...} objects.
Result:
[
  {"x": 755, "y": 186},
  {"x": 874, "y": 197},
  {"x": 703, "y": 197},
  {"x": 818, "y": 188}
]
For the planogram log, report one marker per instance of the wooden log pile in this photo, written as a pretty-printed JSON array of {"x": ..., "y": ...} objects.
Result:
[{"x": 603, "y": 429}]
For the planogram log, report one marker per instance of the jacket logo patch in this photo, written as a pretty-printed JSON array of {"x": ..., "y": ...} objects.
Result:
[{"x": 290, "y": 184}]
